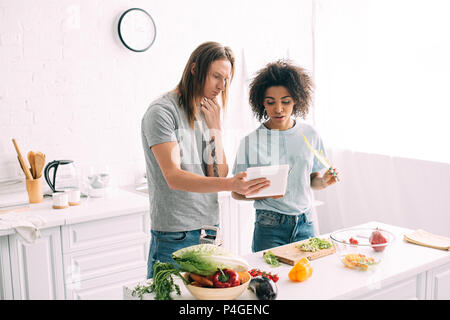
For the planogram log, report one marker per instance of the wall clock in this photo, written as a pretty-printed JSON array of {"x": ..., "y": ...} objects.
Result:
[{"x": 137, "y": 30}]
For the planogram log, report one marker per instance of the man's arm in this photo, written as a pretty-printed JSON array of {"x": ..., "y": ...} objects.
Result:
[{"x": 168, "y": 157}]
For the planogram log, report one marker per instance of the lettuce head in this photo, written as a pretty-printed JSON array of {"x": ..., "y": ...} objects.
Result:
[{"x": 206, "y": 259}]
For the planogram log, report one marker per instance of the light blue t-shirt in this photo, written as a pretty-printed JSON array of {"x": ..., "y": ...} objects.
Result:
[{"x": 264, "y": 147}]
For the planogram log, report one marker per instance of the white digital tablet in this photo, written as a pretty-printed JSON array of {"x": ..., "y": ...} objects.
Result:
[{"x": 277, "y": 175}]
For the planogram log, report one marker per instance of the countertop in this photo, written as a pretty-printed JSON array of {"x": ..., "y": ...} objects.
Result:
[
  {"x": 120, "y": 201},
  {"x": 331, "y": 280}
]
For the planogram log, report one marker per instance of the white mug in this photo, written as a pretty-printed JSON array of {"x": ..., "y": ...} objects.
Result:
[
  {"x": 60, "y": 200},
  {"x": 74, "y": 197}
]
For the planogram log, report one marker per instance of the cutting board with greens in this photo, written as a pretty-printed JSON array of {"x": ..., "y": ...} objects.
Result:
[{"x": 312, "y": 248}]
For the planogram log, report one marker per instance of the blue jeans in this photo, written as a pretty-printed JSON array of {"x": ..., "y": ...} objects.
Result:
[
  {"x": 163, "y": 244},
  {"x": 273, "y": 229}
]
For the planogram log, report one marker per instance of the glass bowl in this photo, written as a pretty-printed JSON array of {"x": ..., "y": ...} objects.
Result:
[{"x": 361, "y": 254}]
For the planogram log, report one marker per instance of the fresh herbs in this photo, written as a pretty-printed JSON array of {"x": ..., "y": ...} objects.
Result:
[
  {"x": 314, "y": 244},
  {"x": 271, "y": 259},
  {"x": 163, "y": 284},
  {"x": 140, "y": 290}
]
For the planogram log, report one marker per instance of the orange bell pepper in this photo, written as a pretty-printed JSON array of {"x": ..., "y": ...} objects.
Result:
[{"x": 301, "y": 271}]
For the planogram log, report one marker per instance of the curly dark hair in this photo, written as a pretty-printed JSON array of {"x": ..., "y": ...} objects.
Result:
[{"x": 281, "y": 73}]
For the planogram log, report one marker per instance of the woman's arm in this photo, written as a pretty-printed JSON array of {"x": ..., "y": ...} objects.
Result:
[
  {"x": 168, "y": 157},
  {"x": 317, "y": 182}
]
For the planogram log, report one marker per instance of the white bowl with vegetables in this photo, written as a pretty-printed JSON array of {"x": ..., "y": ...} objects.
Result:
[
  {"x": 212, "y": 272},
  {"x": 208, "y": 271},
  {"x": 204, "y": 291}
]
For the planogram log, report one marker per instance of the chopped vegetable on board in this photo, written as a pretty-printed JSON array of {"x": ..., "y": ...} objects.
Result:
[
  {"x": 271, "y": 259},
  {"x": 314, "y": 244}
]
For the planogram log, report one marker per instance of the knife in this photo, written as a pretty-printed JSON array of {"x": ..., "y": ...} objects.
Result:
[{"x": 320, "y": 157}]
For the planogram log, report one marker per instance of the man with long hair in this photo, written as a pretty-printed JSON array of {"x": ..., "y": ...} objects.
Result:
[{"x": 185, "y": 162}]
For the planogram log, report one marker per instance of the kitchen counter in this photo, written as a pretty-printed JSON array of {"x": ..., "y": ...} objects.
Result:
[
  {"x": 89, "y": 251},
  {"x": 409, "y": 271},
  {"x": 120, "y": 201}
]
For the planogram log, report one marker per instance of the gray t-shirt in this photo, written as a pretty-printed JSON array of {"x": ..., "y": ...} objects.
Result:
[{"x": 174, "y": 210}]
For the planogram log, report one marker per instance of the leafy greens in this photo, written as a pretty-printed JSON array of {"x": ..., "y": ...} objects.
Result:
[{"x": 205, "y": 259}]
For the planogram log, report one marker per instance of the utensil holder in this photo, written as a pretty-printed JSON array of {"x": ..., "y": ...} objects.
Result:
[{"x": 34, "y": 189}]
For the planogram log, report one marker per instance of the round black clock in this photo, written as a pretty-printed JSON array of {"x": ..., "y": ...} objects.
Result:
[{"x": 137, "y": 30}]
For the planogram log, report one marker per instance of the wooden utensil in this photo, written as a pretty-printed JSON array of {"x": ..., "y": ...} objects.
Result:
[
  {"x": 22, "y": 162},
  {"x": 14, "y": 209},
  {"x": 31, "y": 156},
  {"x": 39, "y": 162}
]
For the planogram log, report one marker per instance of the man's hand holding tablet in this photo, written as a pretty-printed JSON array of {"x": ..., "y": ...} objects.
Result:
[{"x": 277, "y": 175}]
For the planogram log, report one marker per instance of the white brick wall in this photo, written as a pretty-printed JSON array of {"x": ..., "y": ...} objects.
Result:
[{"x": 70, "y": 89}]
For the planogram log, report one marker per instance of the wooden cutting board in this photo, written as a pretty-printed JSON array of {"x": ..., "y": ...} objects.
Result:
[{"x": 289, "y": 254}]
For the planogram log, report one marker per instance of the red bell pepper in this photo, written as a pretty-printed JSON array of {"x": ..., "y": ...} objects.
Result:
[{"x": 226, "y": 278}]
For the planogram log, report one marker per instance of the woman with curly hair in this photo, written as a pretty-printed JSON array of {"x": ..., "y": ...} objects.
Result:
[{"x": 279, "y": 94}]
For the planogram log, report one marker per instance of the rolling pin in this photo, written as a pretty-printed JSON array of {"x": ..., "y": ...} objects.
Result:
[{"x": 22, "y": 162}]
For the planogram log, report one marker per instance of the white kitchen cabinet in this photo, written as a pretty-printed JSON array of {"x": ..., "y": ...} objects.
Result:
[
  {"x": 412, "y": 288},
  {"x": 37, "y": 268},
  {"x": 101, "y": 232},
  {"x": 88, "y": 251},
  {"x": 100, "y": 261},
  {"x": 102, "y": 255},
  {"x": 5, "y": 270},
  {"x": 439, "y": 280},
  {"x": 105, "y": 288}
]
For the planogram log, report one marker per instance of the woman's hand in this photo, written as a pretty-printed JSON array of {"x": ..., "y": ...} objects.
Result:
[
  {"x": 331, "y": 176},
  {"x": 243, "y": 187},
  {"x": 211, "y": 110}
]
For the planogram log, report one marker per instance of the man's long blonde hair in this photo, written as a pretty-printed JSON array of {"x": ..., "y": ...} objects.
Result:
[{"x": 191, "y": 84}]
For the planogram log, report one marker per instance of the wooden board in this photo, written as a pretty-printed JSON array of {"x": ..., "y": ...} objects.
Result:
[{"x": 289, "y": 254}]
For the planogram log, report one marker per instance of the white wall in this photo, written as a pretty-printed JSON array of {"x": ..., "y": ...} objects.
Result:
[
  {"x": 70, "y": 89},
  {"x": 406, "y": 192},
  {"x": 382, "y": 109}
]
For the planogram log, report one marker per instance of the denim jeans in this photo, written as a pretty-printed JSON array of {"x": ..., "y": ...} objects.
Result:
[
  {"x": 273, "y": 229},
  {"x": 163, "y": 244}
]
